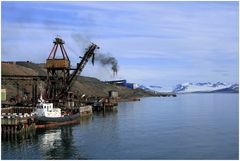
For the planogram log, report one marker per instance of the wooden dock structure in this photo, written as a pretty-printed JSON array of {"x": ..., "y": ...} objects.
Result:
[{"x": 16, "y": 124}]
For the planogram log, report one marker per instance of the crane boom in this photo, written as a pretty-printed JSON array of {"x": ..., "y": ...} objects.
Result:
[{"x": 88, "y": 54}]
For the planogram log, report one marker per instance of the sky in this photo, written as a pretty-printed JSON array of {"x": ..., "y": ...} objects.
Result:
[{"x": 155, "y": 43}]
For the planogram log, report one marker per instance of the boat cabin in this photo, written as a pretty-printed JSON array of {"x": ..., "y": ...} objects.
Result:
[{"x": 47, "y": 110}]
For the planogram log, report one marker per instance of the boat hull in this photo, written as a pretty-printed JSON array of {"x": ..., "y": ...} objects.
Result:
[{"x": 45, "y": 122}]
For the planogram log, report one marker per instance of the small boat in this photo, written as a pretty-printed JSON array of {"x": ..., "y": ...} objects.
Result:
[{"x": 48, "y": 116}]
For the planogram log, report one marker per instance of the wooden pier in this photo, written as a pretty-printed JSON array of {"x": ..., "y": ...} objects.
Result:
[
  {"x": 105, "y": 104},
  {"x": 17, "y": 110},
  {"x": 16, "y": 124}
]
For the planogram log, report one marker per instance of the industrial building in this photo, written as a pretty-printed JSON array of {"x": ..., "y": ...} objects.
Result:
[{"x": 124, "y": 83}]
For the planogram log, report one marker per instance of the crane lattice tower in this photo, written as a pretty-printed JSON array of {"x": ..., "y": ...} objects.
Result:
[{"x": 58, "y": 71}]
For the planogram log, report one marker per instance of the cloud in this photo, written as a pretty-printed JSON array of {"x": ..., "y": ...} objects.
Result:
[{"x": 175, "y": 40}]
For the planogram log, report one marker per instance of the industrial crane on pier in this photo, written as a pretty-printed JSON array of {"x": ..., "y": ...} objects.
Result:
[{"x": 59, "y": 77}]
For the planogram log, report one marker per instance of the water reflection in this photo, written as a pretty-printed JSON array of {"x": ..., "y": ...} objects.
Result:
[
  {"x": 54, "y": 143},
  {"x": 106, "y": 113},
  {"x": 58, "y": 144},
  {"x": 15, "y": 145},
  {"x": 49, "y": 140},
  {"x": 19, "y": 136},
  {"x": 155, "y": 128}
]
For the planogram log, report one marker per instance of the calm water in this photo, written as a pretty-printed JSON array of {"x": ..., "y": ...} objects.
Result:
[{"x": 194, "y": 126}]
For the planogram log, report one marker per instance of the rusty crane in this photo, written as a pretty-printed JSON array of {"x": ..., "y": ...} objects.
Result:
[{"x": 60, "y": 75}]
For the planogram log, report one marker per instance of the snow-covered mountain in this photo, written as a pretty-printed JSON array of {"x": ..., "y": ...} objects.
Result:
[
  {"x": 155, "y": 89},
  {"x": 144, "y": 88},
  {"x": 160, "y": 89},
  {"x": 206, "y": 88}
]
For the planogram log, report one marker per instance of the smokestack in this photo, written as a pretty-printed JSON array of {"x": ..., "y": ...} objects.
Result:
[
  {"x": 102, "y": 59},
  {"x": 106, "y": 60}
]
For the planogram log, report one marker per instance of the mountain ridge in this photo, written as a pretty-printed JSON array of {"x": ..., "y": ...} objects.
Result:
[
  {"x": 200, "y": 87},
  {"x": 208, "y": 87}
]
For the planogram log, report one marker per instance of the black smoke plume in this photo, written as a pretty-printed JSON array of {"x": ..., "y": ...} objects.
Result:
[
  {"x": 102, "y": 59},
  {"x": 107, "y": 60}
]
